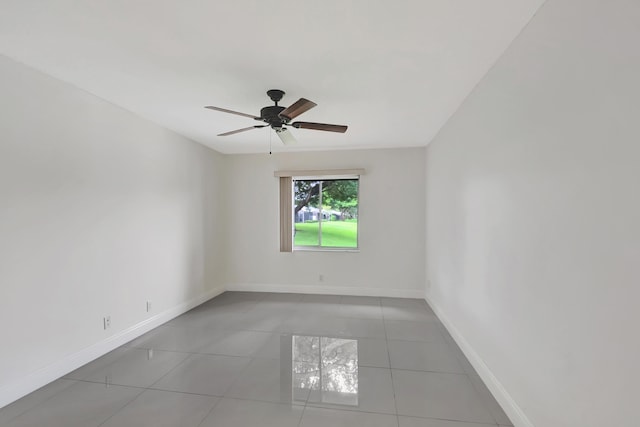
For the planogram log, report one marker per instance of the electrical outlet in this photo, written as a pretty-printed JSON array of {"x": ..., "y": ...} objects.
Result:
[
  {"x": 148, "y": 306},
  {"x": 107, "y": 322},
  {"x": 321, "y": 278},
  {"x": 428, "y": 284}
]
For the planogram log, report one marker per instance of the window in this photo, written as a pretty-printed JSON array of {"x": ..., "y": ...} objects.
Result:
[
  {"x": 325, "y": 213},
  {"x": 319, "y": 209}
]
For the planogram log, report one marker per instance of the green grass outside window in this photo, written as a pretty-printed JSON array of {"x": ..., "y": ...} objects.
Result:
[{"x": 339, "y": 234}]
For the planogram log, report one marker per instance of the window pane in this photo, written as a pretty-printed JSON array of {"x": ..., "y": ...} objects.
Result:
[
  {"x": 326, "y": 213},
  {"x": 340, "y": 213},
  {"x": 306, "y": 201}
]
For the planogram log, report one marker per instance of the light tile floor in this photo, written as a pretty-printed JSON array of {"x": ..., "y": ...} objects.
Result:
[{"x": 262, "y": 359}]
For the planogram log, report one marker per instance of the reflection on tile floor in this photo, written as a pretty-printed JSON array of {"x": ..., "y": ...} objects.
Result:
[{"x": 262, "y": 359}]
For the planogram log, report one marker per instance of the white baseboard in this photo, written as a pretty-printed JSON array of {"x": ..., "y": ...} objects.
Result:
[
  {"x": 510, "y": 407},
  {"x": 327, "y": 290},
  {"x": 20, "y": 387}
]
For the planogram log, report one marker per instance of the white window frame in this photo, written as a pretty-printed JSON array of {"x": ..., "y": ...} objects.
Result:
[{"x": 287, "y": 221}]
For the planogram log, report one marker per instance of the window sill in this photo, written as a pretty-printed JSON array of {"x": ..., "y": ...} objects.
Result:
[{"x": 321, "y": 249}]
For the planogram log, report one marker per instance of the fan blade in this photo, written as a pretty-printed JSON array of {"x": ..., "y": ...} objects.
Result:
[
  {"x": 224, "y": 110},
  {"x": 319, "y": 126},
  {"x": 241, "y": 130},
  {"x": 297, "y": 108},
  {"x": 286, "y": 137}
]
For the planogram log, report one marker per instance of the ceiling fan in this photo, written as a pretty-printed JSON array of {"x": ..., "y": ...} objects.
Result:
[{"x": 278, "y": 118}]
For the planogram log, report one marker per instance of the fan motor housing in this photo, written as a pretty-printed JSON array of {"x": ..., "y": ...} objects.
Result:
[{"x": 270, "y": 115}]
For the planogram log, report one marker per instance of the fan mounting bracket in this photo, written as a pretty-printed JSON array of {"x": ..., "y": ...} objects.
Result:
[{"x": 275, "y": 95}]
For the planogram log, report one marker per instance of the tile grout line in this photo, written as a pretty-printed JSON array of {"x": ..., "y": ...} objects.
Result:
[
  {"x": 182, "y": 362},
  {"x": 215, "y": 405},
  {"x": 457, "y": 351},
  {"x": 122, "y": 407},
  {"x": 386, "y": 343},
  {"x": 13, "y": 418}
]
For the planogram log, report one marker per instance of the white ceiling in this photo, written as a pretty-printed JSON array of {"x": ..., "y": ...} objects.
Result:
[{"x": 393, "y": 71}]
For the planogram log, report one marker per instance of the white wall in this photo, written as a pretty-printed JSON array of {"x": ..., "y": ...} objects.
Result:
[
  {"x": 533, "y": 219},
  {"x": 100, "y": 211},
  {"x": 391, "y": 221}
]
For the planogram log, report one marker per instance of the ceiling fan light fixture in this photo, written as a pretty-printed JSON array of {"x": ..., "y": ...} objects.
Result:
[{"x": 285, "y": 136}]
